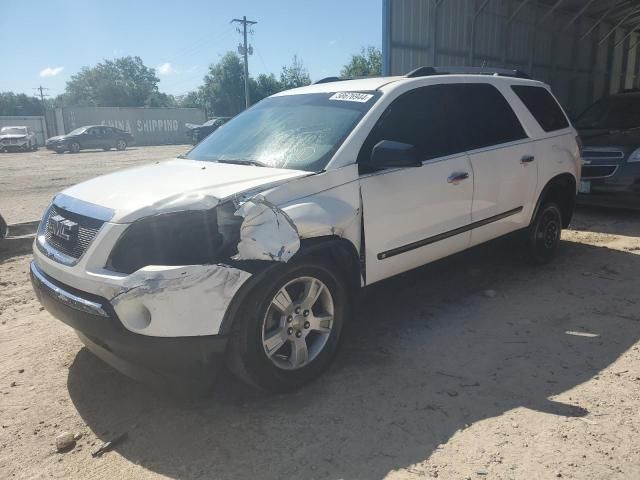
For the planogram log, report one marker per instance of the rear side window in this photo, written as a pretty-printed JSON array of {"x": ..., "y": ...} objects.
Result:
[
  {"x": 490, "y": 120},
  {"x": 427, "y": 117},
  {"x": 542, "y": 106}
]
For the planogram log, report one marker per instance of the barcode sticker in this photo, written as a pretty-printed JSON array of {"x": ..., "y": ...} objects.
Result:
[{"x": 351, "y": 97}]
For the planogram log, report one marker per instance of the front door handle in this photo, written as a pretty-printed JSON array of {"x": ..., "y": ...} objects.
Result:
[
  {"x": 527, "y": 159},
  {"x": 457, "y": 177}
]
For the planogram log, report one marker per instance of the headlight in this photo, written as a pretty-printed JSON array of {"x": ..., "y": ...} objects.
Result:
[
  {"x": 180, "y": 238},
  {"x": 635, "y": 156}
]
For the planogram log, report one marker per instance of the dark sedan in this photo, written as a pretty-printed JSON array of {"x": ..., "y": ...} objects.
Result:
[
  {"x": 91, "y": 137},
  {"x": 610, "y": 132},
  {"x": 197, "y": 133}
]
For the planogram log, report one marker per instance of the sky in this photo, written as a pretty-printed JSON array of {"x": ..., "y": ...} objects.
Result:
[{"x": 179, "y": 39}]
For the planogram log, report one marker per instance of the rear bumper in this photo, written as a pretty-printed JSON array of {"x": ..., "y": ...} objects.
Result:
[{"x": 178, "y": 364}]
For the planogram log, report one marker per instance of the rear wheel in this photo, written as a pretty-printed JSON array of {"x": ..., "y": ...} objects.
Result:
[
  {"x": 290, "y": 327},
  {"x": 121, "y": 145},
  {"x": 75, "y": 147},
  {"x": 543, "y": 236}
]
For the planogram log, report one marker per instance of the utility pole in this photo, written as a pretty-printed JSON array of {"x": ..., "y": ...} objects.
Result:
[
  {"x": 42, "y": 95},
  {"x": 245, "y": 51}
]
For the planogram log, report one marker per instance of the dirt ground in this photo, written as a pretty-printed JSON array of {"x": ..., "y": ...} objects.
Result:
[
  {"x": 477, "y": 366},
  {"x": 28, "y": 181}
]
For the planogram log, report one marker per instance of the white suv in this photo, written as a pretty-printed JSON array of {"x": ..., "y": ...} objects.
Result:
[{"x": 253, "y": 244}]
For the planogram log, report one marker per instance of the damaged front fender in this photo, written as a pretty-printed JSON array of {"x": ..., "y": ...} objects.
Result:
[{"x": 266, "y": 233}]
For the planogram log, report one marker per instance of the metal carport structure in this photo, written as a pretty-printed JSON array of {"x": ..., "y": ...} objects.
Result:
[{"x": 584, "y": 49}]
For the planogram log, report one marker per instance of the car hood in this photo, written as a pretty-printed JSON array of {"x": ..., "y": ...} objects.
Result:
[
  {"x": 624, "y": 139},
  {"x": 58, "y": 137},
  {"x": 173, "y": 185},
  {"x": 13, "y": 135}
]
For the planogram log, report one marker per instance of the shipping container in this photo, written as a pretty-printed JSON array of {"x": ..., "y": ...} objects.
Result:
[{"x": 149, "y": 126}]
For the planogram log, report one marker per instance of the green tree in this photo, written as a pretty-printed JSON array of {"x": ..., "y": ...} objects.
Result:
[
  {"x": 264, "y": 86},
  {"x": 160, "y": 99},
  {"x": 294, "y": 75},
  {"x": 366, "y": 64},
  {"x": 223, "y": 90},
  {"x": 19, "y": 104},
  {"x": 123, "y": 82},
  {"x": 190, "y": 100}
]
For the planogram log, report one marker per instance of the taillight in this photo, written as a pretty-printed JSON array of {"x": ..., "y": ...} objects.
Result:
[{"x": 580, "y": 145}]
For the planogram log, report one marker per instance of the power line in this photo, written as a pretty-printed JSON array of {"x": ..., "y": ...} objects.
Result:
[{"x": 245, "y": 51}]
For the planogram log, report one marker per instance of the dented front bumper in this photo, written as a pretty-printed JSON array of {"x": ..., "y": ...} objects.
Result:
[{"x": 184, "y": 363}]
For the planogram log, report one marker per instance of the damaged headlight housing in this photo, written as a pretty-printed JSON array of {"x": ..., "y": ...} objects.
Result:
[{"x": 190, "y": 237}]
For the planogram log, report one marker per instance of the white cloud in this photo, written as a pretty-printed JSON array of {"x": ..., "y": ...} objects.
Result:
[
  {"x": 51, "y": 72},
  {"x": 166, "y": 69}
]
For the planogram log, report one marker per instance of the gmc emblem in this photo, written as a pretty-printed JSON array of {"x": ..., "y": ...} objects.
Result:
[{"x": 62, "y": 227}]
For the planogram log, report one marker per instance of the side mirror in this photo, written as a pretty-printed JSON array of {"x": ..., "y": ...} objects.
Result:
[{"x": 389, "y": 154}]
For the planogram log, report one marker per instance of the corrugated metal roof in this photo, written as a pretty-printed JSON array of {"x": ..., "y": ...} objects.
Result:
[{"x": 621, "y": 13}]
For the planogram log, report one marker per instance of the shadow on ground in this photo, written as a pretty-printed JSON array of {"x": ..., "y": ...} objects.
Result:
[
  {"x": 616, "y": 221},
  {"x": 429, "y": 353}
]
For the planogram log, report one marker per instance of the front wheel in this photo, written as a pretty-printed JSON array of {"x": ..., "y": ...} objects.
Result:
[
  {"x": 121, "y": 145},
  {"x": 75, "y": 147},
  {"x": 543, "y": 236},
  {"x": 290, "y": 327}
]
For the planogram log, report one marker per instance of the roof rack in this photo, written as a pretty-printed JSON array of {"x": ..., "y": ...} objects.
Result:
[
  {"x": 329, "y": 80},
  {"x": 342, "y": 79},
  {"x": 501, "y": 72}
]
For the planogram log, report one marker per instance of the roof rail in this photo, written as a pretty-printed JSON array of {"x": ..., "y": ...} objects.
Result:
[
  {"x": 329, "y": 80},
  {"x": 501, "y": 72},
  {"x": 343, "y": 79}
]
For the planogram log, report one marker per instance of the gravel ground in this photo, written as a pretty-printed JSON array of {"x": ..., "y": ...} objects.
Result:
[{"x": 477, "y": 366}]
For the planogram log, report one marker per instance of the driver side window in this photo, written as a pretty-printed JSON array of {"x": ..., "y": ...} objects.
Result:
[{"x": 426, "y": 117}]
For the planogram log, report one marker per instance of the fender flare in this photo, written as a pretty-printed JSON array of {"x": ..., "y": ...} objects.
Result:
[
  {"x": 330, "y": 248},
  {"x": 560, "y": 178}
]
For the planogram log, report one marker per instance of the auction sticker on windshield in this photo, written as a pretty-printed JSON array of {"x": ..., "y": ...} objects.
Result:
[{"x": 351, "y": 97}]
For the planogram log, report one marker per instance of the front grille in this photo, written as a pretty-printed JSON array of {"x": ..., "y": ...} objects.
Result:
[
  {"x": 588, "y": 154},
  {"x": 598, "y": 171},
  {"x": 78, "y": 243}
]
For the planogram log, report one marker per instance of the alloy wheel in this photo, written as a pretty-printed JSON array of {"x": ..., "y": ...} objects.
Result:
[{"x": 298, "y": 323}]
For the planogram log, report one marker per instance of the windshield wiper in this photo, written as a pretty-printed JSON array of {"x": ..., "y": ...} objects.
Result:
[{"x": 256, "y": 163}]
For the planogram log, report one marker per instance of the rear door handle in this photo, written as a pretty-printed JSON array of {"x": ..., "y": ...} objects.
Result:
[
  {"x": 527, "y": 159},
  {"x": 457, "y": 177}
]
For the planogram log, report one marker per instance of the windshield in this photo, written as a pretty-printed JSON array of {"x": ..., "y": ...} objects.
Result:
[
  {"x": 13, "y": 131},
  {"x": 615, "y": 113},
  {"x": 77, "y": 131},
  {"x": 300, "y": 132}
]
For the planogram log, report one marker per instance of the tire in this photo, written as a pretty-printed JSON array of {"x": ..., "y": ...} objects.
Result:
[
  {"x": 268, "y": 322},
  {"x": 74, "y": 147},
  {"x": 543, "y": 236},
  {"x": 121, "y": 145}
]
